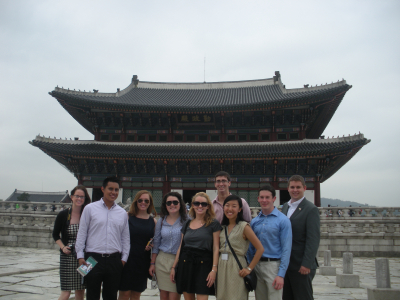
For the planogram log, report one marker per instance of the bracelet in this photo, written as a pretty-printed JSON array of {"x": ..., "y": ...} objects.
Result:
[
  {"x": 213, "y": 271},
  {"x": 63, "y": 248},
  {"x": 152, "y": 263},
  {"x": 172, "y": 267},
  {"x": 215, "y": 265}
]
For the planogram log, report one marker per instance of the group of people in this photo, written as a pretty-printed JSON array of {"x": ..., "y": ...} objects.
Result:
[{"x": 196, "y": 253}]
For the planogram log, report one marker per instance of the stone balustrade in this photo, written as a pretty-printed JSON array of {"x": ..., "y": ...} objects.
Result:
[
  {"x": 364, "y": 231},
  {"x": 22, "y": 207}
]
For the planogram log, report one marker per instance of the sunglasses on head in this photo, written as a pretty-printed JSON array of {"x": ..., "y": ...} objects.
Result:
[
  {"x": 174, "y": 202},
  {"x": 202, "y": 204},
  {"x": 147, "y": 201}
]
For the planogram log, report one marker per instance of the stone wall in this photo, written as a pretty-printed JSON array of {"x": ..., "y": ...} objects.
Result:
[
  {"x": 364, "y": 231},
  {"x": 28, "y": 224}
]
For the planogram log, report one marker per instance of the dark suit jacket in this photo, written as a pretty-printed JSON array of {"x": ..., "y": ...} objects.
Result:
[{"x": 306, "y": 234}]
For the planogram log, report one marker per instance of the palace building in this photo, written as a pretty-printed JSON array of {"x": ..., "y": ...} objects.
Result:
[{"x": 177, "y": 136}]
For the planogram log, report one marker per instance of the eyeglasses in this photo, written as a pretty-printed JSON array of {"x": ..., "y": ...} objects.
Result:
[
  {"x": 174, "y": 202},
  {"x": 222, "y": 181},
  {"x": 79, "y": 197},
  {"x": 147, "y": 201},
  {"x": 202, "y": 204}
]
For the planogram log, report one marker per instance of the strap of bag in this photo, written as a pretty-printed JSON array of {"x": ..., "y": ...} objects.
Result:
[
  {"x": 183, "y": 238},
  {"x": 233, "y": 252}
]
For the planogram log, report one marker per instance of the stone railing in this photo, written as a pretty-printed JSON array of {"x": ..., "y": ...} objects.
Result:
[
  {"x": 22, "y": 207},
  {"x": 364, "y": 231}
]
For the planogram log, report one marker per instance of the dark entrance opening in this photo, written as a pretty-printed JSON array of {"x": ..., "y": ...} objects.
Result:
[
  {"x": 188, "y": 195},
  {"x": 97, "y": 194},
  {"x": 284, "y": 196}
]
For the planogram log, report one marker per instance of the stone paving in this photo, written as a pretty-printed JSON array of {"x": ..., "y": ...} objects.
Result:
[{"x": 33, "y": 274}]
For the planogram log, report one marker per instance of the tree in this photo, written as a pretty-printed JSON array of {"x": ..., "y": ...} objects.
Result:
[{"x": 24, "y": 197}]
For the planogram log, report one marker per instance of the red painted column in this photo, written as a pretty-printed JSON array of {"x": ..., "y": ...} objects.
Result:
[{"x": 317, "y": 194}]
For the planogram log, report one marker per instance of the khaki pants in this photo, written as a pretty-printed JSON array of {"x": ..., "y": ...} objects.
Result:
[{"x": 266, "y": 272}]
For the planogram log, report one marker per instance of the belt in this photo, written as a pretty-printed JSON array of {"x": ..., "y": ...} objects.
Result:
[
  {"x": 115, "y": 254},
  {"x": 269, "y": 259}
]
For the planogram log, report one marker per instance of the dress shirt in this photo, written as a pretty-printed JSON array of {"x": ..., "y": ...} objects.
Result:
[
  {"x": 219, "y": 210},
  {"x": 103, "y": 230},
  {"x": 168, "y": 238},
  {"x": 293, "y": 206},
  {"x": 275, "y": 234}
]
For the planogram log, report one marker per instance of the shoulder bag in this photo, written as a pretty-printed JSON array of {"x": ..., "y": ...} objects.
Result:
[{"x": 250, "y": 281}]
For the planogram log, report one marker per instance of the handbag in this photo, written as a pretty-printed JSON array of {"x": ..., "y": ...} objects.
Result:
[{"x": 250, "y": 281}]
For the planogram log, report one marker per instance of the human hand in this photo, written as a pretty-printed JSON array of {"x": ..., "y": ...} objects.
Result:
[
  {"x": 152, "y": 270},
  {"x": 172, "y": 275},
  {"x": 123, "y": 263},
  {"x": 66, "y": 250},
  {"x": 244, "y": 272},
  {"x": 278, "y": 283},
  {"x": 82, "y": 262},
  {"x": 304, "y": 271},
  {"x": 148, "y": 247},
  {"x": 211, "y": 278}
]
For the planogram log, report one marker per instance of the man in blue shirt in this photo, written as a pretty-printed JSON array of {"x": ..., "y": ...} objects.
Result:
[{"x": 274, "y": 231}]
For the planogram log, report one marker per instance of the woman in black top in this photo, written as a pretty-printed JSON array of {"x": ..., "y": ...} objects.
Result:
[
  {"x": 67, "y": 223},
  {"x": 141, "y": 230},
  {"x": 198, "y": 261}
]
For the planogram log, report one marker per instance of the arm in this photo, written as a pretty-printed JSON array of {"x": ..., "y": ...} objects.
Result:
[
  {"x": 150, "y": 244},
  {"x": 125, "y": 242},
  {"x": 252, "y": 250},
  {"x": 172, "y": 273},
  {"x": 82, "y": 234},
  {"x": 285, "y": 237},
  {"x": 56, "y": 233},
  {"x": 211, "y": 276},
  {"x": 246, "y": 211},
  {"x": 251, "y": 236},
  {"x": 152, "y": 269},
  {"x": 312, "y": 238}
]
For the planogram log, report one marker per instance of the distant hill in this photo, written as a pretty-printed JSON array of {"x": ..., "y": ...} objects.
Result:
[{"x": 340, "y": 203}]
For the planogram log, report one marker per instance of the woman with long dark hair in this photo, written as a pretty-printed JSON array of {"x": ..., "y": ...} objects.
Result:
[
  {"x": 67, "y": 224},
  {"x": 166, "y": 242},
  {"x": 230, "y": 283},
  {"x": 141, "y": 231},
  {"x": 198, "y": 252}
]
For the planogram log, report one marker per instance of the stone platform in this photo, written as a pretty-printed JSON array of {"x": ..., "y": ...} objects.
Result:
[{"x": 27, "y": 273}]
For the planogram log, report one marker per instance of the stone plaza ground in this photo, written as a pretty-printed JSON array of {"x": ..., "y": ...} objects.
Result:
[{"x": 27, "y": 273}]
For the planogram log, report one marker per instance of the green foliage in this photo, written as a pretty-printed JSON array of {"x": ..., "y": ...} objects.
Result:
[{"x": 24, "y": 197}]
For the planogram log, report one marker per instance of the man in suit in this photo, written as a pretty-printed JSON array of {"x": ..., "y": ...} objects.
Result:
[{"x": 304, "y": 217}]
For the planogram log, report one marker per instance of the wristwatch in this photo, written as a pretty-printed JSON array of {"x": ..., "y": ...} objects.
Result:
[{"x": 248, "y": 269}]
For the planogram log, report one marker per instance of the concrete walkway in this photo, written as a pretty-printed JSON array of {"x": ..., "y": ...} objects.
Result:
[{"x": 33, "y": 274}]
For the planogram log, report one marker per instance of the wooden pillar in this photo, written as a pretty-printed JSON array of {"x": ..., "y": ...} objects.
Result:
[
  {"x": 166, "y": 187},
  {"x": 317, "y": 194}
]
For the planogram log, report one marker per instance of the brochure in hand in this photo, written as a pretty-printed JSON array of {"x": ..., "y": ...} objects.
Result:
[{"x": 84, "y": 270}]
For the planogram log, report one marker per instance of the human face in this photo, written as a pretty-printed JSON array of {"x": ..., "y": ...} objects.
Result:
[
  {"x": 296, "y": 190},
  {"x": 266, "y": 201},
  {"x": 141, "y": 202},
  {"x": 110, "y": 192},
  {"x": 172, "y": 208},
  {"x": 222, "y": 184},
  {"x": 231, "y": 209},
  {"x": 200, "y": 210},
  {"x": 78, "y": 198}
]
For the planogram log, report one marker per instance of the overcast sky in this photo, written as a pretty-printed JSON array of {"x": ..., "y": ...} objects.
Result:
[{"x": 100, "y": 44}]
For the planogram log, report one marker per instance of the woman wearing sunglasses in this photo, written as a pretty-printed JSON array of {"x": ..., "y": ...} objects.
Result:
[
  {"x": 198, "y": 252},
  {"x": 167, "y": 239},
  {"x": 141, "y": 229},
  {"x": 230, "y": 283},
  {"x": 67, "y": 223}
]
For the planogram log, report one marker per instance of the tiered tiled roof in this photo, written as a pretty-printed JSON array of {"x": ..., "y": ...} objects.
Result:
[
  {"x": 255, "y": 150},
  {"x": 205, "y": 97}
]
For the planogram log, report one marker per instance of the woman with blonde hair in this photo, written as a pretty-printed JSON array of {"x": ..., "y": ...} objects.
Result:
[
  {"x": 141, "y": 230},
  {"x": 198, "y": 252}
]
